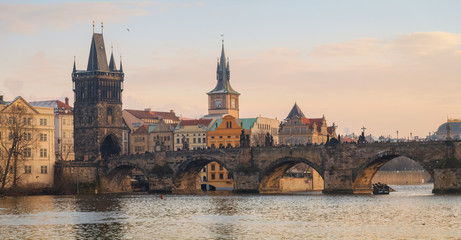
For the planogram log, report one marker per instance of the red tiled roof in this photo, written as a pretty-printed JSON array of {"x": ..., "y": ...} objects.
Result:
[
  {"x": 204, "y": 122},
  {"x": 142, "y": 114},
  {"x": 166, "y": 115},
  {"x": 143, "y": 129}
]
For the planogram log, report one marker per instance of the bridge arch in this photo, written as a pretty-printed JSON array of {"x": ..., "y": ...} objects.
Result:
[
  {"x": 119, "y": 176},
  {"x": 363, "y": 175},
  {"x": 186, "y": 180},
  {"x": 271, "y": 175}
]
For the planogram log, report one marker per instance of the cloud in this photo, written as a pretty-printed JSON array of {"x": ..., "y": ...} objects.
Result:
[{"x": 31, "y": 18}]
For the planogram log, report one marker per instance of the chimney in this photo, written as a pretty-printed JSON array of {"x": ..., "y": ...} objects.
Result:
[
  {"x": 147, "y": 109},
  {"x": 67, "y": 100}
]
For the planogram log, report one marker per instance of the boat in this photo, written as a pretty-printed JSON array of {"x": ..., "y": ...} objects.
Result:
[{"x": 380, "y": 188}]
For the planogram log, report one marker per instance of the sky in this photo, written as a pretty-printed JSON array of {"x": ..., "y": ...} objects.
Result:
[{"x": 386, "y": 65}]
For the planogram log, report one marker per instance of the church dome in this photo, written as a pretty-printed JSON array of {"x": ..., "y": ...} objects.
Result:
[{"x": 455, "y": 130}]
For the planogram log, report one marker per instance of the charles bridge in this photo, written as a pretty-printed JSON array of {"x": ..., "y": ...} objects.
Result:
[{"x": 345, "y": 168}]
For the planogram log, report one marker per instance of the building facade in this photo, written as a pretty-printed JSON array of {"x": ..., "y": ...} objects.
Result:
[
  {"x": 224, "y": 133},
  {"x": 299, "y": 130},
  {"x": 32, "y": 130},
  {"x": 98, "y": 123},
  {"x": 63, "y": 128},
  {"x": 136, "y": 118},
  {"x": 152, "y": 138},
  {"x": 194, "y": 132}
]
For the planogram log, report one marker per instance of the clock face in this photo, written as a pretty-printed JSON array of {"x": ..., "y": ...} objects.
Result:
[
  {"x": 218, "y": 103},
  {"x": 233, "y": 103}
]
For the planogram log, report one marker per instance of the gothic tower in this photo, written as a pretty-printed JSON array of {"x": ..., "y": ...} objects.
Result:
[
  {"x": 223, "y": 100},
  {"x": 98, "y": 90}
]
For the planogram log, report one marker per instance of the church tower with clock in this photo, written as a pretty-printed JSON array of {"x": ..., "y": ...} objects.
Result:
[{"x": 223, "y": 100}]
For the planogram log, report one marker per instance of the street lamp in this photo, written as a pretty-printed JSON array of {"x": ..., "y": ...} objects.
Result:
[{"x": 397, "y": 136}]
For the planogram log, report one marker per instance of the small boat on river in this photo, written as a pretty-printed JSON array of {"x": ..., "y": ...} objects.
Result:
[{"x": 380, "y": 188}]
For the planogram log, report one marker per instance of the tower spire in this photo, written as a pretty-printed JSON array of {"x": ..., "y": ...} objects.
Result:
[
  {"x": 97, "y": 60},
  {"x": 75, "y": 69},
  {"x": 223, "y": 74},
  {"x": 112, "y": 66},
  {"x": 121, "y": 68}
]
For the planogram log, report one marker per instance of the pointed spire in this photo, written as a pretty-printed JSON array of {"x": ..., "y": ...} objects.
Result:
[
  {"x": 75, "y": 68},
  {"x": 223, "y": 74},
  {"x": 98, "y": 59},
  {"x": 121, "y": 68},
  {"x": 295, "y": 112},
  {"x": 112, "y": 66}
]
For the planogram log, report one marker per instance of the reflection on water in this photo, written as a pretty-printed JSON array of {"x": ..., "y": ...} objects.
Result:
[{"x": 412, "y": 212}]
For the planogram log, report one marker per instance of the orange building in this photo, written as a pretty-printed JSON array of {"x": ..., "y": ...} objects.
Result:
[{"x": 224, "y": 133}]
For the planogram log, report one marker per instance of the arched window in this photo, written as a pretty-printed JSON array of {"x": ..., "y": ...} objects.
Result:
[{"x": 109, "y": 115}]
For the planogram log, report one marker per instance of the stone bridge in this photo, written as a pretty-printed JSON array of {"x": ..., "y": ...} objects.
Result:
[{"x": 345, "y": 168}]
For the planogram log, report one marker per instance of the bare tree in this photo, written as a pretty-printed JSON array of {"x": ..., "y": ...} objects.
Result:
[
  {"x": 16, "y": 144},
  {"x": 258, "y": 138}
]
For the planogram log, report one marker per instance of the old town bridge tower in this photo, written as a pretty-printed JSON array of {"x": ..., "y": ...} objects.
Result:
[{"x": 97, "y": 90}]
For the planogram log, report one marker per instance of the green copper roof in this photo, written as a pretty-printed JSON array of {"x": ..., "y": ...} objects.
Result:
[
  {"x": 215, "y": 124},
  {"x": 223, "y": 76},
  {"x": 152, "y": 127},
  {"x": 247, "y": 123}
]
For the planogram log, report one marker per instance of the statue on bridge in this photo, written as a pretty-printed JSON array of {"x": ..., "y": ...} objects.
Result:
[
  {"x": 244, "y": 139},
  {"x": 362, "y": 136},
  {"x": 269, "y": 140},
  {"x": 185, "y": 143}
]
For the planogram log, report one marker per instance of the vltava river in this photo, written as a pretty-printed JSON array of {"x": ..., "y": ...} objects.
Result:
[{"x": 410, "y": 213}]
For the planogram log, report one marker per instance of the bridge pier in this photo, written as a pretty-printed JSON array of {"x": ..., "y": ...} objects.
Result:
[
  {"x": 160, "y": 183},
  {"x": 447, "y": 180},
  {"x": 338, "y": 182},
  {"x": 246, "y": 182}
]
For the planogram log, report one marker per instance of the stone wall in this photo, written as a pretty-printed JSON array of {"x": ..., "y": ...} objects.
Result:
[
  {"x": 447, "y": 180},
  {"x": 402, "y": 177}
]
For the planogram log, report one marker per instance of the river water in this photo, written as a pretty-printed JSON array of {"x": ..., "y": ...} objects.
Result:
[{"x": 412, "y": 212}]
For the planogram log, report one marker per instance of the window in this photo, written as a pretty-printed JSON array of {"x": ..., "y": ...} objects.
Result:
[
  {"x": 27, "y": 136},
  {"x": 27, "y": 152},
  {"x": 26, "y": 121},
  {"x": 44, "y": 169},
  {"x": 204, "y": 140},
  {"x": 43, "y": 122},
  {"x": 221, "y": 167},
  {"x": 63, "y": 134},
  {"x": 212, "y": 167},
  {"x": 43, "y": 152},
  {"x": 229, "y": 175},
  {"x": 221, "y": 176},
  {"x": 220, "y": 136},
  {"x": 199, "y": 140},
  {"x": 43, "y": 137},
  {"x": 177, "y": 140},
  {"x": 194, "y": 140},
  {"x": 27, "y": 169},
  {"x": 213, "y": 176}
]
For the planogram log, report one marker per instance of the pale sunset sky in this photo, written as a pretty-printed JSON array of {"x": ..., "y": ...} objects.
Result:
[{"x": 386, "y": 65}]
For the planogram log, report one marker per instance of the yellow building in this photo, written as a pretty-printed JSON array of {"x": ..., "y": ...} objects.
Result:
[
  {"x": 33, "y": 129},
  {"x": 192, "y": 131},
  {"x": 63, "y": 128}
]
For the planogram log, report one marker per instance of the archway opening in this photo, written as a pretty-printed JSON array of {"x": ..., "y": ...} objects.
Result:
[
  {"x": 291, "y": 176},
  {"x": 202, "y": 175},
  {"x": 400, "y": 172},
  {"x": 127, "y": 179},
  {"x": 110, "y": 146}
]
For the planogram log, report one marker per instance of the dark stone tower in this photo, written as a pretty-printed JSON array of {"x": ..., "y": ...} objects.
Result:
[{"x": 98, "y": 90}]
